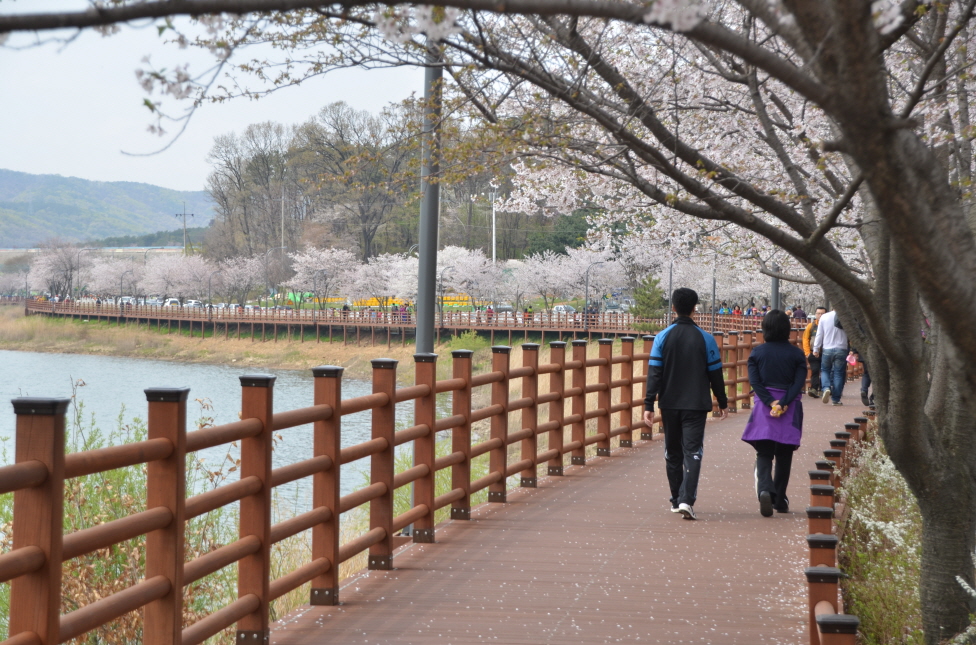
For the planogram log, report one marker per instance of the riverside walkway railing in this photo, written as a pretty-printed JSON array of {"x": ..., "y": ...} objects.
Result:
[
  {"x": 576, "y": 323},
  {"x": 37, "y": 480},
  {"x": 41, "y": 469}
]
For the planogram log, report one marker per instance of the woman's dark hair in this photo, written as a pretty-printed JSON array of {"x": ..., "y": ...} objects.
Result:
[
  {"x": 776, "y": 326},
  {"x": 684, "y": 300}
]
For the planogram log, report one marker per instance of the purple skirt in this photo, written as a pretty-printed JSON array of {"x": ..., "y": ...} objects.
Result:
[{"x": 787, "y": 428}]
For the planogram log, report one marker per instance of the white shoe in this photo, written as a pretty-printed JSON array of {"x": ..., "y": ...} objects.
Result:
[
  {"x": 687, "y": 511},
  {"x": 826, "y": 396}
]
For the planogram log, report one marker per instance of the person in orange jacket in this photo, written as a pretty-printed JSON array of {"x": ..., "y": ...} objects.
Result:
[{"x": 813, "y": 361}]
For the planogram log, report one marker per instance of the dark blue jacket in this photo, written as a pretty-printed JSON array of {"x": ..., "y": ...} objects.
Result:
[{"x": 685, "y": 363}]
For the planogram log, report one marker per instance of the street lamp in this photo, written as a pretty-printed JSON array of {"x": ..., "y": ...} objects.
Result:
[
  {"x": 122, "y": 277},
  {"x": 145, "y": 255},
  {"x": 586, "y": 301},
  {"x": 78, "y": 259},
  {"x": 210, "y": 291},
  {"x": 491, "y": 195},
  {"x": 267, "y": 288}
]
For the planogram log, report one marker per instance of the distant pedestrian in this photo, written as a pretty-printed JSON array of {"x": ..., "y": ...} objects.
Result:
[
  {"x": 799, "y": 314},
  {"x": 777, "y": 373},
  {"x": 830, "y": 345},
  {"x": 685, "y": 363},
  {"x": 809, "y": 335}
]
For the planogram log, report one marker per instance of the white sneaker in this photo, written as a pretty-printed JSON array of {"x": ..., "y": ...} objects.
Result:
[
  {"x": 687, "y": 511},
  {"x": 826, "y": 396}
]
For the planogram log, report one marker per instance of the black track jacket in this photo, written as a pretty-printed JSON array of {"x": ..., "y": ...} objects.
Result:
[{"x": 684, "y": 363}]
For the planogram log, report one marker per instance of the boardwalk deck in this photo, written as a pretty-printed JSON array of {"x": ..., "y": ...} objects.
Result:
[{"x": 597, "y": 558}]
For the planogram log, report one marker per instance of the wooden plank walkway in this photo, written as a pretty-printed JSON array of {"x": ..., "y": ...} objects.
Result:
[{"x": 596, "y": 557}]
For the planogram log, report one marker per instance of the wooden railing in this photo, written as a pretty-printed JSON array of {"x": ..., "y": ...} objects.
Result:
[
  {"x": 37, "y": 480},
  {"x": 578, "y": 322},
  {"x": 828, "y": 624}
]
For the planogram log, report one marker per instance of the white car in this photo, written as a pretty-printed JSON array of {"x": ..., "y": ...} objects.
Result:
[{"x": 172, "y": 302}]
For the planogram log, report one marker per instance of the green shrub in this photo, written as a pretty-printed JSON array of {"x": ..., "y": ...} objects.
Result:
[{"x": 468, "y": 340}]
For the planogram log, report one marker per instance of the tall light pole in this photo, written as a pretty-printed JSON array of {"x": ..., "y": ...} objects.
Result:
[
  {"x": 714, "y": 265},
  {"x": 266, "y": 286},
  {"x": 430, "y": 200},
  {"x": 670, "y": 288},
  {"x": 121, "y": 277},
  {"x": 78, "y": 259},
  {"x": 491, "y": 195},
  {"x": 586, "y": 300},
  {"x": 145, "y": 256},
  {"x": 210, "y": 292}
]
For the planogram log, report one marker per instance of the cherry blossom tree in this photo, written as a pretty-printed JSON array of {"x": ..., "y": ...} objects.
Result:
[
  {"x": 113, "y": 276},
  {"x": 832, "y": 138},
  {"x": 240, "y": 276},
  {"x": 326, "y": 270}
]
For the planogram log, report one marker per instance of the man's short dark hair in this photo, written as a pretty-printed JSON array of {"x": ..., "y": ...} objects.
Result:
[
  {"x": 819, "y": 307},
  {"x": 776, "y": 326},
  {"x": 684, "y": 300}
]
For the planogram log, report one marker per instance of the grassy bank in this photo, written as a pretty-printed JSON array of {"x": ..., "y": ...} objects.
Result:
[{"x": 71, "y": 336}]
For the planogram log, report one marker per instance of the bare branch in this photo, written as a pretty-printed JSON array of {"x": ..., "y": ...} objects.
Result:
[{"x": 835, "y": 212}]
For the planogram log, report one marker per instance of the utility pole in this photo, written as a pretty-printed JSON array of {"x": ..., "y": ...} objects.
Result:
[{"x": 183, "y": 215}]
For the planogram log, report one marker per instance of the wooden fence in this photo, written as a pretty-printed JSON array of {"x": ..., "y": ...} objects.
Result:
[
  {"x": 376, "y": 320},
  {"x": 37, "y": 478},
  {"x": 828, "y": 624}
]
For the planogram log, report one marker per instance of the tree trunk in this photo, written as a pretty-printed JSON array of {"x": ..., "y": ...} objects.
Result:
[{"x": 948, "y": 530}]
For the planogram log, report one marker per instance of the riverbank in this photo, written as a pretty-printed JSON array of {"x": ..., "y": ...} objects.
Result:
[{"x": 56, "y": 335}]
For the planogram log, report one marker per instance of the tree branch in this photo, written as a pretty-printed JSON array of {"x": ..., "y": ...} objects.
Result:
[
  {"x": 765, "y": 270},
  {"x": 835, "y": 212}
]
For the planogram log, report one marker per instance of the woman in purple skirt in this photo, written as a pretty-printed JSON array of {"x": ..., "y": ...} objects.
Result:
[{"x": 777, "y": 373}]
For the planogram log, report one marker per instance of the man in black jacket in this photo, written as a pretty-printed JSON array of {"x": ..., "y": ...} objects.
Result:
[{"x": 685, "y": 364}]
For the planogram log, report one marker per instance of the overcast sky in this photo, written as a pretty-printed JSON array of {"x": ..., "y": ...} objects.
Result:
[{"x": 74, "y": 109}]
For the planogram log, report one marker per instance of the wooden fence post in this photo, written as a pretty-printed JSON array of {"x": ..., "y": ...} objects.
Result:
[
  {"x": 424, "y": 447},
  {"x": 461, "y": 435},
  {"x": 579, "y": 402},
  {"x": 166, "y": 487},
  {"x": 731, "y": 356},
  {"x": 822, "y": 585},
  {"x": 382, "y": 466},
  {"x": 742, "y": 371},
  {"x": 557, "y": 355},
  {"x": 498, "y": 459},
  {"x": 254, "y": 571},
  {"x": 327, "y": 441},
  {"x": 530, "y": 415},
  {"x": 603, "y": 397},
  {"x": 35, "y": 598},
  {"x": 626, "y": 418},
  {"x": 647, "y": 434}
]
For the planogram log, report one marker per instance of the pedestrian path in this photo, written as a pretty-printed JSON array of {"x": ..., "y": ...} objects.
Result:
[{"x": 596, "y": 557}]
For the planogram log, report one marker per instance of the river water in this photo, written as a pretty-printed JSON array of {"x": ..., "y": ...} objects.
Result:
[{"x": 113, "y": 385}]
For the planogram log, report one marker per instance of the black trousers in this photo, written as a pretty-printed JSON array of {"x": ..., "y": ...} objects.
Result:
[
  {"x": 684, "y": 438},
  {"x": 768, "y": 451},
  {"x": 814, "y": 362}
]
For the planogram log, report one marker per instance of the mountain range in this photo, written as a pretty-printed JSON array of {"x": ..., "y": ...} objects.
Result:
[{"x": 36, "y": 208}]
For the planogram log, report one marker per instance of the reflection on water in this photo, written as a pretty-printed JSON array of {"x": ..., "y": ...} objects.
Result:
[{"x": 111, "y": 382}]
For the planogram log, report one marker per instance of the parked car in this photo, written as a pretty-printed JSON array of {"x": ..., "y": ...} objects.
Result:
[
  {"x": 613, "y": 308},
  {"x": 564, "y": 309},
  {"x": 192, "y": 303},
  {"x": 172, "y": 302},
  {"x": 154, "y": 302},
  {"x": 504, "y": 308}
]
